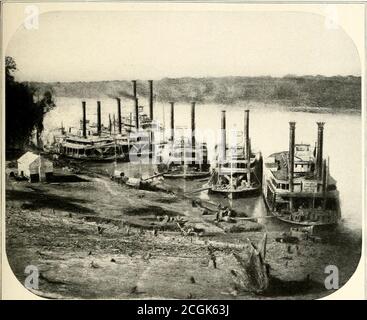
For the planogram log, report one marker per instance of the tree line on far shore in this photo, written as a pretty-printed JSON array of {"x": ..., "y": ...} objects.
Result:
[
  {"x": 28, "y": 102},
  {"x": 336, "y": 93}
]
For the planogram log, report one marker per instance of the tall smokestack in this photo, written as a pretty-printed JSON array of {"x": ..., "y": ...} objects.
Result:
[
  {"x": 324, "y": 183},
  {"x": 247, "y": 144},
  {"x": 84, "y": 119},
  {"x": 134, "y": 89},
  {"x": 109, "y": 123},
  {"x": 193, "y": 142},
  {"x": 99, "y": 125},
  {"x": 223, "y": 135},
  {"x": 137, "y": 113},
  {"x": 119, "y": 114},
  {"x": 246, "y": 135},
  {"x": 172, "y": 121},
  {"x": 320, "y": 145},
  {"x": 247, "y": 125},
  {"x": 151, "y": 144},
  {"x": 151, "y": 99},
  {"x": 292, "y": 128},
  {"x": 136, "y": 105}
]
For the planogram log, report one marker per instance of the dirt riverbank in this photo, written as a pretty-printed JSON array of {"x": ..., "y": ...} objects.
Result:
[{"x": 93, "y": 238}]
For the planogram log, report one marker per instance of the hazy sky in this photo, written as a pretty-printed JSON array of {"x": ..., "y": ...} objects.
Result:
[{"x": 79, "y": 46}]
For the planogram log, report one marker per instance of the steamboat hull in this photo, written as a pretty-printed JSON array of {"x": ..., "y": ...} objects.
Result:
[
  {"x": 99, "y": 154},
  {"x": 299, "y": 223},
  {"x": 297, "y": 186},
  {"x": 307, "y": 223},
  {"x": 121, "y": 158},
  {"x": 93, "y": 151},
  {"x": 189, "y": 176},
  {"x": 136, "y": 156},
  {"x": 242, "y": 191},
  {"x": 236, "y": 194}
]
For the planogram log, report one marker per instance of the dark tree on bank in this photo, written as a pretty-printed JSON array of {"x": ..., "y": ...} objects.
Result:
[{"x": 25, "y": 108}]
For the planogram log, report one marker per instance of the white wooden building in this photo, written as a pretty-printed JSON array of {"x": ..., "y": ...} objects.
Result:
[{"x": 35, "y": 167}]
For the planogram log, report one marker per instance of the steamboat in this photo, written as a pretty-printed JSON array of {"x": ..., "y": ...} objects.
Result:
[
  {"x": 147, "y": 138},
  {"x": 93, "y": 142},
  {"x": 185, "y": 158},
  {"x": 238, "y": 169},
  {"x": 297, "y": 186}
]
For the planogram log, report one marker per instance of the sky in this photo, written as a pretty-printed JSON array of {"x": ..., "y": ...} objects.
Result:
[{"x": 125, "y": 45}]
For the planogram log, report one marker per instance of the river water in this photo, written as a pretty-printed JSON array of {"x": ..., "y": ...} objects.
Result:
[{"x": 269, "y": 133}]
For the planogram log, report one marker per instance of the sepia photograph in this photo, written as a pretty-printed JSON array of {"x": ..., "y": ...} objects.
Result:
[{"x": 182, "y": 151}]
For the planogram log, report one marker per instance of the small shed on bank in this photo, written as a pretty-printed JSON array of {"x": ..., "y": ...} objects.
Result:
[{"x": 35, "y": 167}]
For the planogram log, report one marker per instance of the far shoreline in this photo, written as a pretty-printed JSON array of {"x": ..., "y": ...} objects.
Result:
[{"x": 262, "y": 105}]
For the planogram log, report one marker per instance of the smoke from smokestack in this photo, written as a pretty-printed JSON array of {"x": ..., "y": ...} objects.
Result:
[{"x": 124, "y": 94}]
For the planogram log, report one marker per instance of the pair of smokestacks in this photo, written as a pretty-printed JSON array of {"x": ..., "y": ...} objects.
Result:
[
  {"x": 247, "y": 143},
  {"x": 136, "y": 100},
  {"x": 193, "y": 122},
  {"x": 99, "y": 121},
  {"x": 246, "y": 133},
  {"x": 320, "y": 163}
]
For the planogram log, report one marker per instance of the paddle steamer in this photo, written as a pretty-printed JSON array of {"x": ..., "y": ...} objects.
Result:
[
  {"x": 93, "y": 142},
  {"x": 297, "y": 186},
  {"x": 185, "y": 158},
  {"x": 239, "y": 170}
]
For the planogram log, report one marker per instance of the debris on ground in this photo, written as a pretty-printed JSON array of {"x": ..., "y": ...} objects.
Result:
[
  {"x": 94, "y": 265},
  {"x": 189, "y": 230},
  {"x": 212, "y": 256},
  {"x": 285, "y": 238},
  {"x": 61, "y": 221},
  {"x": 252, "y": 273}
]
